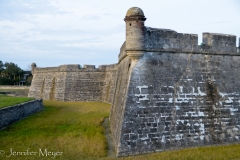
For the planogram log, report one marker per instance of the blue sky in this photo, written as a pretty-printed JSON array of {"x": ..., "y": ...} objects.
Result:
[{"x": 55, "y": 32}]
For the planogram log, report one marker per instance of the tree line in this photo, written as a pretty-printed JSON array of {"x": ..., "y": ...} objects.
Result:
[{"x": 11, "y": 74}]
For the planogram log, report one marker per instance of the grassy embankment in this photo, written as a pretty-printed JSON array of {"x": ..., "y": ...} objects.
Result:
[
  {"x": 74, "y": 128},
  {"x": 10, "y": 101}
]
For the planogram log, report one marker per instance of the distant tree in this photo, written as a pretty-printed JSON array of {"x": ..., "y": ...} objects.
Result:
[
  {"x": 10, "y": 73},
  {"x": 13, "y": 71},
  {"x": 1, "y": 66}
]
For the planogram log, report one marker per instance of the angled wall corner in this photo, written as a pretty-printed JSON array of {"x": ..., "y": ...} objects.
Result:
[{"x": 174, "y": 101}]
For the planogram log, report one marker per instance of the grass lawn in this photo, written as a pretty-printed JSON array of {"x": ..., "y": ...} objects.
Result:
[
  {"x": 74, "y": 128},
  {"x": 10, "y": 101}
]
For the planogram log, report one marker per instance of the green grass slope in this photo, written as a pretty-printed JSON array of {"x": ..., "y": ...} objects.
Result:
[
  {"x": 73, "y": 128},
  {"x": 10, "y": 101},
  {"x": 73, "y": 131}
]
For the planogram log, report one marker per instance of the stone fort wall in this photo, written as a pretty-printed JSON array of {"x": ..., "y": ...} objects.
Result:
[
  {"x": 166, "y": 91},
  {"x": 176, "y": 93},
  {"x": 74, "y": 83}
]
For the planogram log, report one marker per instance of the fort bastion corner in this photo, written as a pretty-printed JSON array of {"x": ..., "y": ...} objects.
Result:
[{"x": 166, "y": 91}]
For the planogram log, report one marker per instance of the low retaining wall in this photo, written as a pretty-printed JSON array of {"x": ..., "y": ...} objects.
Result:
[{"x": 15, "y": 113}]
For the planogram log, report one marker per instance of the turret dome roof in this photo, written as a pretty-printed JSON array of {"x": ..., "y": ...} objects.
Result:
[{"x": 135, "y": 11}]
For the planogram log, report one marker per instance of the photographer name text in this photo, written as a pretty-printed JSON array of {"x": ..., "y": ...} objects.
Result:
[{"x": 28, "y": 152}]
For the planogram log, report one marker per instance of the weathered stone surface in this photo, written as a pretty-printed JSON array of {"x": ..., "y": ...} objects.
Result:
[
  {"x": 157, "y": 39},
  {"x": 177, "y": 94},
  {"x": 15, "y": 113},
  {"x": 166, "y": 91},
  {"x": 220, "y": 42},
  {"x": 165, "y": 109},
  {"x": 74, "y": 83}
]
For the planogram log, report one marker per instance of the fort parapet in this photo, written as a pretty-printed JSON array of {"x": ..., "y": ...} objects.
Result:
[
  {"x": 74, "y": 83},
  {"x": 166, "y": 91}
]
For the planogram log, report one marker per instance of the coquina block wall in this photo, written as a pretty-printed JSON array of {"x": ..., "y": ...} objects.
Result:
[
  {"x": 176, "y": 93},
  {"x": 166, "y": 91},
  {"x": 9, "y": 115},
  {"x": 74, "y": 83}
]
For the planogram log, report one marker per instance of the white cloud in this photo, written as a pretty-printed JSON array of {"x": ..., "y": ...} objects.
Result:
[{"x": 58, "y": 32}]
